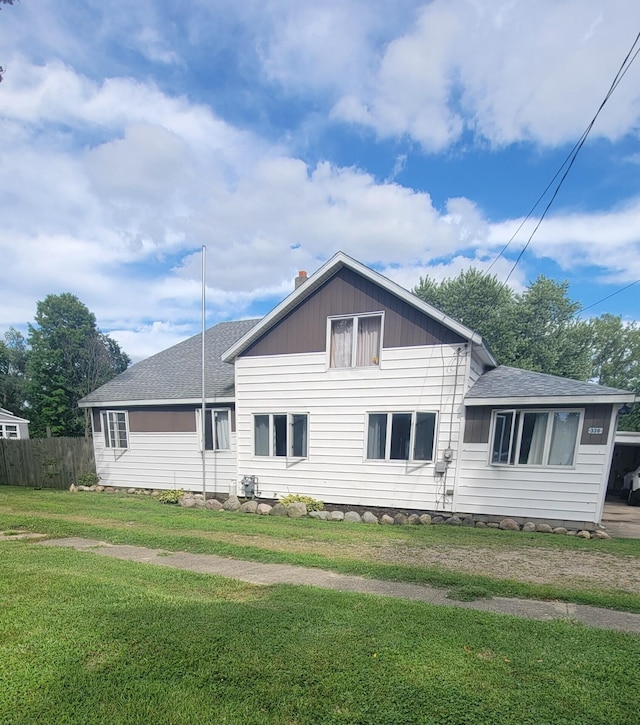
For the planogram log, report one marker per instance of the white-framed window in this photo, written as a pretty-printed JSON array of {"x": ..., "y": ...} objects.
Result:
[
  {"x": 9, "y": 430},
  {"x": 355, "y": 341},
  {"x": 281, "y": 434},
  {"x": 115, "y": 427},
  {"x": 401, "y": 436},
  {"x": 534, "y": 437},
  {"x": 217, "y": 429}
]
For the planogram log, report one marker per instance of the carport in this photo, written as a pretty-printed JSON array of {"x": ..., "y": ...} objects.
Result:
[{"x": 626, "y": 457}]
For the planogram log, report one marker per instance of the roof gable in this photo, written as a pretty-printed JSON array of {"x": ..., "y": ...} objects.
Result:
[{"x": 337, "y": 266}]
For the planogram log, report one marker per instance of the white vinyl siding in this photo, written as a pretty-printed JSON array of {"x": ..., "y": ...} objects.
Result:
[
  {"x": 166, "y": 461},
  {"x": 338, "y": 402},
  {"x": 565, "y": 493}
]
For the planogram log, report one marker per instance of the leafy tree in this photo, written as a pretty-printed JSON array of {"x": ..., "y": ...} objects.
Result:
[
  {"x": 69, "y": 358},
  {"x": 615, "y": 359},
  {"x": 535, "y": 330},
  {"x": 549, "y": 338},
  {"x": 13, "y": 363}
]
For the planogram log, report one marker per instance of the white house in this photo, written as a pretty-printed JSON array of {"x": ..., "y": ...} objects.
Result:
[
  {"x": 354, "y": 391},
  {"x": 12, "y": 426}
]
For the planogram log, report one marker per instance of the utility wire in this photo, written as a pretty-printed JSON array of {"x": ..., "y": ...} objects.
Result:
[
  {"x": 568, "y": 162},
  {"x": 613, "y": 294}
]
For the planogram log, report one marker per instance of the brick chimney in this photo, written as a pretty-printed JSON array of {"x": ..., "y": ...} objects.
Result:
[{"x": 301, "y": 278}]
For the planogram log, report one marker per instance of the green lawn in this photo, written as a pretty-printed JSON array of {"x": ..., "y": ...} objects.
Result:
[
  {"x": 90, "y": 640},
  {"x": 340, "y": 547}
]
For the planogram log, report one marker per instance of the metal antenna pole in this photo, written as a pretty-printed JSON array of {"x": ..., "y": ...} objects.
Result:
[{"x": 203, "y": 429}]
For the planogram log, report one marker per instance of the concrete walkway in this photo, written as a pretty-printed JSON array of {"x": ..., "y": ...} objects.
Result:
[{"x": 257, "y": 573}]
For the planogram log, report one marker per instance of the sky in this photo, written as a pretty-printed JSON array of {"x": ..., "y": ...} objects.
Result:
[{"x": 414, "y": 136}]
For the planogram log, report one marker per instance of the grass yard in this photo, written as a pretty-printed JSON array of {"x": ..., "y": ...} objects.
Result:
[
  {"x": 602, "y": 573},
  {"x": 89, "y": 640}
]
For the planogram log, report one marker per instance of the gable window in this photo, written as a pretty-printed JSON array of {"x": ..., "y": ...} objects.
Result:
[
  {"x": 401, "y": 436},
  {"x": 280, "y": 434},
  {"x": 216, "y": 430},
  {"x": 355, "y": 341},
  {"x": 535, "y": 437},
  {"x": 115, "y": 429},
  {"x": 9, "y": 430}
]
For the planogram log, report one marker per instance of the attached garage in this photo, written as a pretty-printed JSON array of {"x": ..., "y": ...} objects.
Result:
[{"x": 626, "y": 457}]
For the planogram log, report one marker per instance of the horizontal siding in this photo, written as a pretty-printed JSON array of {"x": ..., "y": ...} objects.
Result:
[
  {"x": 165, "y": 461},
  {"x": 548, "y": 493},
  {"x": 337, "y": 401}
]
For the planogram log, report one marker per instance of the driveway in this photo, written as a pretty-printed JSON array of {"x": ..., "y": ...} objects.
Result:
[{"x": 621, "y": 520}]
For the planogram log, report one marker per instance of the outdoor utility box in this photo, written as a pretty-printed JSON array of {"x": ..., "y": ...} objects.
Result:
[{"x": 250, "y": 486}]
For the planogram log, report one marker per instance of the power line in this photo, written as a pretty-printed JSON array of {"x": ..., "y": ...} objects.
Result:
[
  {"x": 604, "y": 299},
  {"x": 568, "y": 162}
]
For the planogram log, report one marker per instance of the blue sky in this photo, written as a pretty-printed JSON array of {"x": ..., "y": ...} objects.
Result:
[{"x": 413, "y": 136}]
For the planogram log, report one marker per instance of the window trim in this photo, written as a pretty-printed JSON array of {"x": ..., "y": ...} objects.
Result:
[
  {"x": 106, "y": 430},
  {"x": 289, "y": 433},
  {"x": 515, "y": 437},
  {"x": 210, "y": 413},
  {"x": 3, "y": 430},
  {"x": 354, "y": 343},
  {"x": 412, "y": 436}
]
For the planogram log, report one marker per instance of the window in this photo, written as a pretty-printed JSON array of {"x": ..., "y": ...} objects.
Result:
[
  {"x": 355, "y": 341},
  {"x": 280, "y": 434},
  {"x": 115, "y": 429},
  {"x": 535, "y": 437},
  {"x": 216, "y": 430},
  {"x": 9, "y": 430},
  {"x": 401, "y": 436}
]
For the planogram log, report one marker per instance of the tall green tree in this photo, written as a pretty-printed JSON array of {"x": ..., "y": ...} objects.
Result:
[
  {"x": 615, "y": 359},
  {"x": 481, "y": 303},
  {"x": 13, "y": 364},
  {"x": 535, "y": 330},
  {"x": 69, "y": 358}
]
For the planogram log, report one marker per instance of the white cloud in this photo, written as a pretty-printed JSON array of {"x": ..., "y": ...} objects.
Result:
[{"x": 508, "y": 71}]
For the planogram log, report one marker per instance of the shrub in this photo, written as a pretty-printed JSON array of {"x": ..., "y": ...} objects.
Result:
[
  {"x": 88, "y": 479},
  {"x": 171, "y": 496},
  {"x": 312, "y": 504}
]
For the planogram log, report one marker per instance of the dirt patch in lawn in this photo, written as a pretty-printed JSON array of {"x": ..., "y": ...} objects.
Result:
[{"x": 569, "y": 568}]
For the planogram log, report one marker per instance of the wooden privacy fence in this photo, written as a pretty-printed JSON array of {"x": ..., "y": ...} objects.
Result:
[{"x": 45, "y": 462}]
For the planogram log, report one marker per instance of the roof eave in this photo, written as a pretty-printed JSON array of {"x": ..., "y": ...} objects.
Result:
[
  {"x": 151, "y": 402},
  {"x": 613, "y": 399}
]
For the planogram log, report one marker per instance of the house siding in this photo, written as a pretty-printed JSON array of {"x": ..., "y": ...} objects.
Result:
[
  {"x": 164, "y": 453},
  {"x": 337, "y": 402},
  {"x": 304, "y": 329}
]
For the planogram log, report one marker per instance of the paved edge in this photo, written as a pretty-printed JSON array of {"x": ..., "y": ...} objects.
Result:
[{"x": 268, "y": 574}]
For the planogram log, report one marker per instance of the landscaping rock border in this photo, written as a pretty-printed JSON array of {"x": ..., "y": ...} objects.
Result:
[{"x": 298, "y": 510}]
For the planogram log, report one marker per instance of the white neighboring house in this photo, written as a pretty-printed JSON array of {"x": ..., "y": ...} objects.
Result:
[
  {"x": 12, "y": 426},
  {"x": 354, "y": 391}
]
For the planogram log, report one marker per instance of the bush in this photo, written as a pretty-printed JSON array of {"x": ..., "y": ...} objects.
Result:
[
  {"x": 171, "y": 496},
  {"x": 312, "y": 504},
  {"x": 88, "y": 479}
]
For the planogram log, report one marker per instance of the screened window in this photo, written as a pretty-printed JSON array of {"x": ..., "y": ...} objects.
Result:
[
  {"x": 401, "y": 436},
  {"x": 115, "y": 429},
  {"x": 280, "y": 434},
  {"x": 216, "y": 430},
  {"x": 355, "y": 341},
  {"x": 535, "y": 438},
  {"x": 9, "y": 430}
]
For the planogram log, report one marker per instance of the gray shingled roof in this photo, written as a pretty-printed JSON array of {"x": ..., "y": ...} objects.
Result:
[
  {"x": 506, "y": 382},
  {"x": 175, "y": 374}
]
